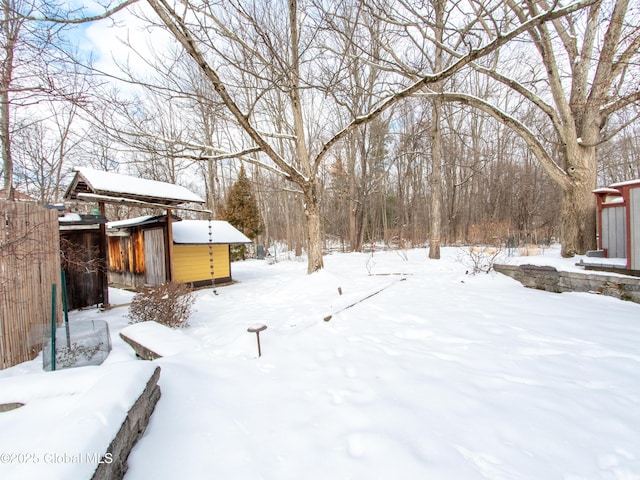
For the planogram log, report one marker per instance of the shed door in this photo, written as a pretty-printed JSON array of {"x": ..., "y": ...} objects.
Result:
[
  {"x": 614, "y": 231},
  {"x": 154, "y": 257}
]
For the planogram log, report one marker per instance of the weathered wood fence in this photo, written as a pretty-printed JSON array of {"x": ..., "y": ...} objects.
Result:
[{"x": 29, "y": 265}]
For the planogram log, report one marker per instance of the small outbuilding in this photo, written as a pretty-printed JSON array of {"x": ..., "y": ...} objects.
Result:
[
  {"x": 137, "y": 253},
  {"x": 91, "y": 185},
  {"x": 619, "y": 222},
  {"x": 195, "y": 242},
  {"x": 82, "y": 259}
]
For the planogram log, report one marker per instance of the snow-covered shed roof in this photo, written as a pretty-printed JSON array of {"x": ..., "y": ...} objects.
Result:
[
  {"x": 81, "y": 219},
  {"x": 629, "y": 183},
  {"x": 130, "y": 222},
  {"x": 139, "y": 221},
  {"x": 77, "y": 221},
  {"x": 90, "y": 184},
  {"x": 607, "y": 191},
  {"x": 192, "y": 232},
  {"x": 196, "y": 232}
]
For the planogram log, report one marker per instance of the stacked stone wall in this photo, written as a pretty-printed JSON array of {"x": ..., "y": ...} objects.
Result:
[{"x": 551, "y": 280}]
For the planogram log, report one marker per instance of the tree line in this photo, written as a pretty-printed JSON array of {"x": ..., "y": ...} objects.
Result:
[{"x": 408, "y": 122}]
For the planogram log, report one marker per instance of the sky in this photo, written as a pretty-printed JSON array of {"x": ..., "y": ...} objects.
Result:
[{"x": 106, "y": 40}]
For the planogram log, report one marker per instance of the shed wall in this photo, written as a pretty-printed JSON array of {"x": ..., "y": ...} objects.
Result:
[
  {"x": 191, "y": 263},
  {"x": 126, "y": 259},
  {"x": 634, "y": 226},
  {"x": 154, "y": 254},
  {"x": 614, "y": 232}
]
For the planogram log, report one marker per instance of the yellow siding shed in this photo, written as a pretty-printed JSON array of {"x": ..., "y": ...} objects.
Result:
[
  {"x": 191, "y": 263},
  {"x": 192, "y": 240}
]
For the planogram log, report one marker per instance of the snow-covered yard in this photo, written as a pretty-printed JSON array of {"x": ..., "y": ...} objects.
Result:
[{"x": 441, "y": 375}]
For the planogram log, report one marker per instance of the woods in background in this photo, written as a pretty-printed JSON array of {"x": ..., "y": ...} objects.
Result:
[{"x": 408, "y": 123}]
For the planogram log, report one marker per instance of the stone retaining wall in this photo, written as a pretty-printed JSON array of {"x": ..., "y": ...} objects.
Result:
[
  {"x": 132, "y": 428},
  {"x": 551, "y": 280}
]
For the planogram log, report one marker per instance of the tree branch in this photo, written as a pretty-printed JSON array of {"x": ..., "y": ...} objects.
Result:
[
  {"x": 603, "y": 76},
  {"x": 93, "y": 18},
  {"x": 473, "y": 55},
  {"x": 550, "y": 166},
  {"x": 620, "y": 104},
  {"x": 548, "y": 109},
  {"x": 180, "y": 31}
]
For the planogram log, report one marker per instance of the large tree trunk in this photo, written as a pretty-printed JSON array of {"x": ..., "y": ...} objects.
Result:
[
  {"x": 11, "y": 29},
  {"x": 356, "y": 225},
  {"x": 7, "y": 161},
  {"x": 578, "y": 211},
  {"x": 436, "y": 184},
  {"x": 436, "y": 146},
  {"x": 356, "y": 207},
  {"x": 314, "y": 227},
  {"x": 357, "y": 192}
]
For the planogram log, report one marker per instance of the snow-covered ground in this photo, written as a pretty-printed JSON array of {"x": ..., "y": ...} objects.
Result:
[{"x": 440, "y": 375}]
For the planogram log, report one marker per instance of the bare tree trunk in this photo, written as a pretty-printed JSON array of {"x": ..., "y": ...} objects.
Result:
[
  {"x": 7, "y": 162},
  {"x": 10, "y": 30},
  {"x": 356, "y": 223},
  {"x": 436, "y": 184},
  {"x": 436, "y": 146},
  {"x": 578, "y": 210},
  {"x": 355, "y": 199},
  {"x": 357, "y": 192},
  {"x": 314, "y": 227},
  {"x": 310, "y": 186}
]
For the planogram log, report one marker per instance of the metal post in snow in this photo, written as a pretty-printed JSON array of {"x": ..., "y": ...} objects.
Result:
[
  {"x": 65, "y": 308},
  {"x": 53, "y": 326},
  {"x": 257, "y": 330}
]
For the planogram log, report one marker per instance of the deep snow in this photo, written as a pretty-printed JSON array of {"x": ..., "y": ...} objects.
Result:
[{"x": 441, "y": 375}]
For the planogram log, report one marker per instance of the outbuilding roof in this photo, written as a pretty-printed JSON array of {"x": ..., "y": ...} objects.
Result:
[
  {"x": 629, "y": 183},
  {"x": 77, "y": 221},
  {"x": 97, "y": 185},
  {"x": 140, "y": 221},
  {"x": 196, "y": 232},
  {"x": 190, "y": 232}
]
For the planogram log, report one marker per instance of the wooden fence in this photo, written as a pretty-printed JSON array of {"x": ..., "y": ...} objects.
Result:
[{"x": 29, "y": 265}]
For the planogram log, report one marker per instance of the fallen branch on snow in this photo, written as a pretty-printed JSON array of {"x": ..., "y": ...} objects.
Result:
[{"x": 328, "y": 317}]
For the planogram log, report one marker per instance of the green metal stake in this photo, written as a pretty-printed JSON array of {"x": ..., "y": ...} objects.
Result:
[
  {"x": 65, "y": 307},
  {"x": 53, "y": 326}
]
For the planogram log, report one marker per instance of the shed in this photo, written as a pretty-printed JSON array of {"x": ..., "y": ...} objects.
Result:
[
  {"x": 82, "y": 257},
  {"x": 137, "y": 254},
  {"x": 194, "y": 241},
  {"x": 619, "y": 222},
  {"x": 137, "y": 251},
  {"x": 107, "y": 187}
]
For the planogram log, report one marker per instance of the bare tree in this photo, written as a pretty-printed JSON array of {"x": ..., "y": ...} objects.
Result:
[
  {"x": 436, "y": 146},
  {"x": 620, "y": 158},
  {"x": 46, "y": 141},
  {"x": 349, "y": 32},
  {"x": 35, "y": 62},
  {"x": 586, "y": 71},
  {"x": 246, "y": 41}
]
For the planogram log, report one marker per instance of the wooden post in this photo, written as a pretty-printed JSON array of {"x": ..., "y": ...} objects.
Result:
[
  {"x": 169, "y": 249},
  {"x": 103, "y": 267}
]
